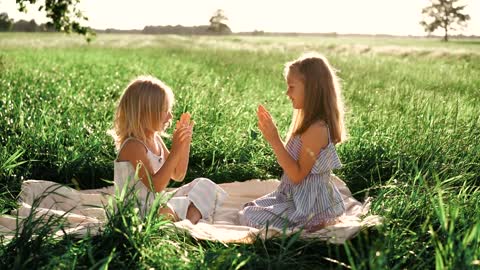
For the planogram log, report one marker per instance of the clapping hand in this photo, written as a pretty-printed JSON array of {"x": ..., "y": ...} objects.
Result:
[
  {"x": 266, "y": 125},
  {"x": 182, "y": 136}
]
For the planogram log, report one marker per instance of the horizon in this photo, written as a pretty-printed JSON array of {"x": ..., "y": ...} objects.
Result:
[{"x": 304, "y": 16}]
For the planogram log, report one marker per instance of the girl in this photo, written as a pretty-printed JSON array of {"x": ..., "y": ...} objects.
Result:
[
  {"x": 306, "y": 197},
  {"x": 144, "y": 112}
]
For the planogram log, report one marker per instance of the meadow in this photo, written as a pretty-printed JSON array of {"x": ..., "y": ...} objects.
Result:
[{"x": 412, "y": 114}]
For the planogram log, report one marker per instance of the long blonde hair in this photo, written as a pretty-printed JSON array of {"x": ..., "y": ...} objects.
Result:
[
  {"x": 323, "y": 100},
  {"x": 141, "y": 107}
]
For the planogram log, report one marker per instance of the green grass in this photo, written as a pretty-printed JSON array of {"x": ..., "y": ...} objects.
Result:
[{"x": 412, "y": 115}]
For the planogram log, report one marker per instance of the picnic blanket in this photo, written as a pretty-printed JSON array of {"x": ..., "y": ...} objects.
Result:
[{"x": 83, "y": 212}]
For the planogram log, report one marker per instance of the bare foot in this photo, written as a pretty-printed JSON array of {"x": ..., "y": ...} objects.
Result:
[
  {"x": 193, "y": 214},
  {"x": 169, "y": 213}
]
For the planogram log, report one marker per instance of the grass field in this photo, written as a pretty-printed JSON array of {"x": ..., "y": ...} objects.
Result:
[{"x": 412, "y": 115}]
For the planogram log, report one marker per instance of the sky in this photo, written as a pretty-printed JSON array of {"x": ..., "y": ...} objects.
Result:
[{"x": 394, "y": 17}]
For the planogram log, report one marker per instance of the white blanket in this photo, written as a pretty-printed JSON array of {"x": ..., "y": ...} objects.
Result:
[{"x": 84, "y": 213}]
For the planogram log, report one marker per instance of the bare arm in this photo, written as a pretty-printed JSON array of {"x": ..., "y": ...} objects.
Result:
[
  {"x": 182, "y": 165},
  {"x": 313, "y": 140},
  {"x": 136, "y": 153}
]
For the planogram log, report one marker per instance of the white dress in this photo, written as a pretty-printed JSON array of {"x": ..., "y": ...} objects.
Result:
[{"x": 202, "y": 192}]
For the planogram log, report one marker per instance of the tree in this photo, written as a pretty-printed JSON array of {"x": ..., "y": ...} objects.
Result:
[
  {"x": 218, "y": 23},
  {"x": 25, "y": 26},
  {"x": 5, "y": 22},
  {"x": 444, "y": 14},
  {"x": 64, "y": 15}
]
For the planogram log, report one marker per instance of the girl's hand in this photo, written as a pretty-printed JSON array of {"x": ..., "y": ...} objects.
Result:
[
  {"x": 267, "y": 126},
  {"x": 184, "y": 120},
  {"x": 182, "y": 136}
]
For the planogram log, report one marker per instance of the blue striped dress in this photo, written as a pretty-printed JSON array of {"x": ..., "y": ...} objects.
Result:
[{"x": 315, "y": 200}]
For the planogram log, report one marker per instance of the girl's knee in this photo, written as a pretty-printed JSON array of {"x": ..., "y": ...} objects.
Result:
[{"x": 193, "y": 214}]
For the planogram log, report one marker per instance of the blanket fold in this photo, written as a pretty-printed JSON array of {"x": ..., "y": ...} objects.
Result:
[{"x": 83, "y": 212}]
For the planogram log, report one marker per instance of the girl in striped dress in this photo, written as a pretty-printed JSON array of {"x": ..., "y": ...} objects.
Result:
[
  {"x": 144, "y": 112},
  {"x": 306, "y": 197}
]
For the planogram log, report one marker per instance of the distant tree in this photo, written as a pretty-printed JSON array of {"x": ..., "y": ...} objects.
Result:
[
  {"x": 46, "y": 28},
  {"x": 64, "y": 15},
  {"x": 258, "y": 32},
  {"x": 5, "y": 22},
  {"x": 218, "y": 23},
  {"x": 444, "y": 14},
  {"x": 25, "y": 26}
]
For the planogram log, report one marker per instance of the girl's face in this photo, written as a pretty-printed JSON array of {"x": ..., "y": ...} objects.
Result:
[
  {"x": 167, "y": 116},
  {"x": 166, "y": 119},
  {"x": 295, "y": 90}
]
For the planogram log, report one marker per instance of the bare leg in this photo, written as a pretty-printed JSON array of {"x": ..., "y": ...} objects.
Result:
[
  {"x": 193, "y": 214},
  {"x": 169, "y": 213}
]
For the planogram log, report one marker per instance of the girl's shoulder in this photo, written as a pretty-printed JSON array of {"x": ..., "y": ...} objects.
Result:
[
  {"x": 132, "y": 147},
  {"x": 317, "y": 128},
  {"x": 316, "y": 135}
]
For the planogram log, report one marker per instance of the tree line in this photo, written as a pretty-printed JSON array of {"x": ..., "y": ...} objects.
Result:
[
  {"x": 446, "y": 15},
  {"x": 7, "y": 24},
  {"x": 218, "y": 25}
]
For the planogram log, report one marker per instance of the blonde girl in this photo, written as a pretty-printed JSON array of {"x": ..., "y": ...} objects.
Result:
[
  {"x": 143, "y": 113},
  {"x": 306, "y": 196}
]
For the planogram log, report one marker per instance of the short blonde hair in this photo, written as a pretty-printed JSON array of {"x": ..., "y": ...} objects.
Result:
[
  {"x": 323, "y": 100},
  {"x": 142, "y": 105}
]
